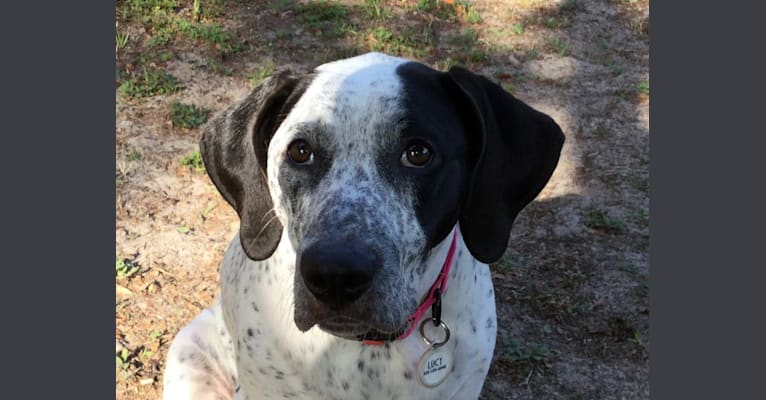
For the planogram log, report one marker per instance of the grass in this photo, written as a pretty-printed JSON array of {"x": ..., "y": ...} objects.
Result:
[
  {"x": 193, "y": 160},
  {"x": 643, "y": 87},
  {"x": 411, "y": 42},
  {"x": 506, "y": 264},
  {"x": 374, "y": 10},
  {"x": 149, "y": 82},
  {"x": 187, "y": 115},
  {"x": 602, "y": 132},
  {"x": 123, "y": 359},
  {"x": 162, "y": 21},
  {"x": 121, "y": 39},
  {"x": 601, "y": 221},
  {"x": 552, "y": 23},
  {"x": 535, "y": 352},
  {"x": 517, "y": 28},
  {"x": 466, "y": 39},
  {"x": 425, "y": 5},
  {"x": 560, "y": 46},
  {"x": 218, "y": 67},
  {"x": 213, "y": 34},
  {"x": 473, "y": 16},
  {"x": 264, "y": 71},
  {"x": 524, "y": 359},
  {"x": 125, "y": 268},
  {"x": 134, "y": 155},
  {"x": 532, "y": 54},
  {"x": 327, "y": 18},
  {"x": 569, "y": 5},
  {"x": 446, "y": 64}
]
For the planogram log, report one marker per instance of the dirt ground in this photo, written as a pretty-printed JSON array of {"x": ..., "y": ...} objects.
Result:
[{"x": 572, "y": 289}]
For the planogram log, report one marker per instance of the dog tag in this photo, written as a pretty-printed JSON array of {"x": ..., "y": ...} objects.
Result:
[{"x": 436, "y": 363}]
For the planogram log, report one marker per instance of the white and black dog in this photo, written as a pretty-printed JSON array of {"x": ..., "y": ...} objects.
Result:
[{"x": 371, "y": 194}]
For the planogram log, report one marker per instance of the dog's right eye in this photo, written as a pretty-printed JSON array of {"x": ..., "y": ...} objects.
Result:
[{"x": 300, "y": 152}]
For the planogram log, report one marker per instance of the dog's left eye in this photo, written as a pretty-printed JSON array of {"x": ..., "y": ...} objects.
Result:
[
  {"x": 300, "y": 152},
  {"x": 417, "y": 155}
]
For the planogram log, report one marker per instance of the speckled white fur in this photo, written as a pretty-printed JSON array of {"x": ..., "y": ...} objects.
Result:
[{"x": 248, "y": 346}]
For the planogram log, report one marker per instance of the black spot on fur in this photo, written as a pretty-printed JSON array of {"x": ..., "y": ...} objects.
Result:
[
  {"x": 250, "y": 332},
  {"x": 407, "y": 375},
  {"x": 360, "y": 366}
]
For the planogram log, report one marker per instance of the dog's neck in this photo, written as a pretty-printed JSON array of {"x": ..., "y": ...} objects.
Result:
[{"x": 470, "y": 320}]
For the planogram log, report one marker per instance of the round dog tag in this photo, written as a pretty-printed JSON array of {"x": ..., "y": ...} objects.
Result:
[
  {"x": 434, "y": 366},
  {"x": 436, "y": 363}
]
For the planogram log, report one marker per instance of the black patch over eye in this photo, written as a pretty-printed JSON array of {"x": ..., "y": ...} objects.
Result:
[
  {"x": 418, "y": 155},
  {"x": 300, "y": 152}
]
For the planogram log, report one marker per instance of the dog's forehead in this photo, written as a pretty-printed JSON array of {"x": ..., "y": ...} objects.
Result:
[{"x": 351, "y": 99}]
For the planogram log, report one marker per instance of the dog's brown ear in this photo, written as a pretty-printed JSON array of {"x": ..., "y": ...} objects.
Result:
[
  {"x": 234, "y": 146},
  {"x": 518, "y": 149}
]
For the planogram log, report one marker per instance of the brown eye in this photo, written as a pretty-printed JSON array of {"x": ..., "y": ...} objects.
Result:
[
  {"x": 300, "y": 152},
  {"x": 417, "y": 155}
]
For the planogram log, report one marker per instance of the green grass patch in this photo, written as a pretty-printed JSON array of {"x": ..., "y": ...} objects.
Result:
[
  {"x": 517, "y": 28},
  {"x": 328, "y": 18},
  {"x": 206, "y": 9},
  {"x": 425, "y": 5},
  {"x": 534, "y": 352},
  {"x": 193, "y": 160},
  {"x": 560, "y": 46},
  {"x": 473, "y": 16},
  {"x": 134, "y": 155},
  {"x": 446, "y": 64},
  {"x": 219, "y": 68},
  {"x": 375, "y": 10},
  {"x": 147, "y": 10},
  {"x": 506, "y": 264},
  {"x": 187, "y": 115},
  {"x": 466, "y": 39},
  {"x": 264, "y": 71},
  {"x": 122, "y": 39},
  {"x": 125, "y": 268},
  {"x": 510, "y": 88},
  {"x": 411, "y": 42},
  {"x": 213, "y": 34},
  {"x": 601, "y": 132},
  {"x": 123, "y": 359},
  {"x": 569, "y": 6},
  {"x": 601, "y": 221},
  {"x": 552, "y": 23},
  {"x": 148, "y": 82},
  {"x": 643, "y": 87}
]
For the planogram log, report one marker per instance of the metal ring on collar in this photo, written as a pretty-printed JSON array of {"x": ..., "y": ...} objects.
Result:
[{"x": 427, "y": 340}]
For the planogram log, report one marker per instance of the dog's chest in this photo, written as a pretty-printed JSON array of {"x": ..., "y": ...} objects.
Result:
[{"x": 276, "y": 360}]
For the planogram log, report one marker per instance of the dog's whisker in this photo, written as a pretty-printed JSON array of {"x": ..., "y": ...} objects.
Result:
[
  {"x": 266, "y": 214},
  {"x": 266, "y": 225}
]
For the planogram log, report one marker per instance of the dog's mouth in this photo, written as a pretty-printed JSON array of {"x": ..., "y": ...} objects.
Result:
[{"x": 353, "y": 329}]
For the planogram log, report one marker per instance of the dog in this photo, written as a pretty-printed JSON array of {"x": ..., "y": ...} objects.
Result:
[{"x": 372, "y": 194}]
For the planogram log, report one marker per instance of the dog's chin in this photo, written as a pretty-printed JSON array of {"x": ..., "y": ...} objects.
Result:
[{"x": 345, "y": 327}]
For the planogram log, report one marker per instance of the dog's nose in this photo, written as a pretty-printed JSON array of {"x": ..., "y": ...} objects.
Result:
[{"x": 338, "y": 274}]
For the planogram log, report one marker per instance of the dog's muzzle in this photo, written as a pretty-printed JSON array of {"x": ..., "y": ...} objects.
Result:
[{"x": 338, "y": 273}]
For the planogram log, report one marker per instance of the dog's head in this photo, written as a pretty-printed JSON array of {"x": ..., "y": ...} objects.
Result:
[{"x": 369, "y": 163}]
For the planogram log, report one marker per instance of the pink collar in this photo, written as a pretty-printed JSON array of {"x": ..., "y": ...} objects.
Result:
[{"x": 432, "y": 300}]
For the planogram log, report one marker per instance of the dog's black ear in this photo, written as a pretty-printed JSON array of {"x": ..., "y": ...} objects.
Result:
[
  {"x": 518, "y": 149},
  {"x": 234, "y": 146}
]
